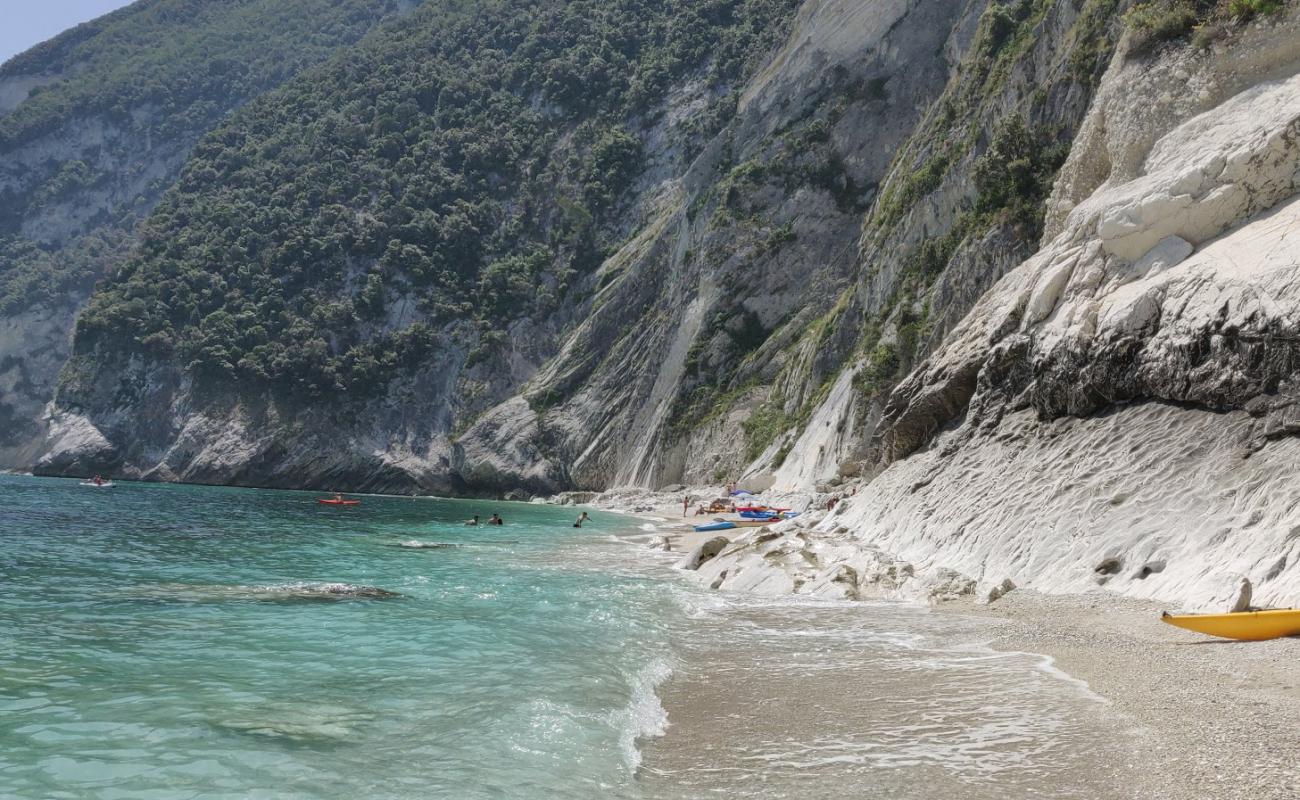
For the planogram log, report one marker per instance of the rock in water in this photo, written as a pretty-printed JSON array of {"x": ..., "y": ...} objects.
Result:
[
  {"x": 341, "y": 591},
  {"x": 415, "y": 544},
  {"x": 703, "y": 553},
  {"x": 284, "y": 592}
]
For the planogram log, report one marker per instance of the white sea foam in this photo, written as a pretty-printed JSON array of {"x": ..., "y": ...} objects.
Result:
[
  {"x": 645, "y": 716},
  {"x": 416, "y": 544},
  {"x": 1048, "y": 664}
]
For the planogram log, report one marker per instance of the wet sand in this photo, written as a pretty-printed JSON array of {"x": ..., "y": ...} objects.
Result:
[
  {"x": 1182, "y": 717},
  {"x": 774, "y": 699},
  {"x": 1216, "y": 719}
]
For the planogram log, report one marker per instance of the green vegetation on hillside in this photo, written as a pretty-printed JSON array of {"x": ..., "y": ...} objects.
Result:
[
  {"x": 1158, "y": 21},
  {"x": 1003, "y": 158},
  {"x": 461, "y": 166},
  {"x": 161, "y": 71},
  {"x": 161, "y": 52}
]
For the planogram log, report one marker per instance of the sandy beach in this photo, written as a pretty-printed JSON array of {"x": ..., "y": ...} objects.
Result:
[
  {"x": 1187, "y": 717},
  {"x": 1216, "y": 718}
]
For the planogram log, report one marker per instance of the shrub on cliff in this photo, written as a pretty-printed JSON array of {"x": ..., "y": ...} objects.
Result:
[
  {"x": 462, "y": 165},
  {"x": 1155, "y": 23}
]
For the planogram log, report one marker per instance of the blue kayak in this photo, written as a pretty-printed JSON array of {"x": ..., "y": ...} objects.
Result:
[
  {"x": 716, "y": 526},
  {"x": 759, "y": 514}
]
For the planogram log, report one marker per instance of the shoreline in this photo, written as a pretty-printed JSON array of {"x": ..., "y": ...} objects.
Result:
[
  {"x": 1217, "y": 718},
  {"x": 1206, "y": 718}
]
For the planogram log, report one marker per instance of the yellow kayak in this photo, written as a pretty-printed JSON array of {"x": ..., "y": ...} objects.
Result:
[{"x": 1248, "y": 626}]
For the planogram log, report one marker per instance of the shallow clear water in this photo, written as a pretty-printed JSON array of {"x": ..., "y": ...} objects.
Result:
[
  {"x": 154, "y": 646},
  {"x": 172, "y": 642}
]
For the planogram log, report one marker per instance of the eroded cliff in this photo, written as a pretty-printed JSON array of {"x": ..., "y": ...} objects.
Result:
[
  {"x": 94, "y": 126},
  {"x": 1119, "y": 409},
  {"x": 1026, "y": 283}
]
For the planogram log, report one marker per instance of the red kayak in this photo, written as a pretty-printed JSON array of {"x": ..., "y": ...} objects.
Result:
[
  {"x": 760, "y": 508},
  {"x": 332, "y": 502}
]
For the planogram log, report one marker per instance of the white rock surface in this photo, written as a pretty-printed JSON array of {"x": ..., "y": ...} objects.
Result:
[
  {"x": 1165, "y": 493},
  {"x": 825, "y": 442},
  {"x": 1122, "y": 409}
]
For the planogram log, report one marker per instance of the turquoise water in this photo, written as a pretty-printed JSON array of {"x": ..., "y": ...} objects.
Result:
[
  {"x": 163, "y": 641},
  {"x": 183, "y": 642}
]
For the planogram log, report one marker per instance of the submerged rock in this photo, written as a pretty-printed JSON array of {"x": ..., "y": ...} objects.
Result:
[
  {"x": 285, "y": 592},
  {"x": 414, "y": 544},
  {"x": 320, "y": 724},
  {"x": 342, "y": 590}
]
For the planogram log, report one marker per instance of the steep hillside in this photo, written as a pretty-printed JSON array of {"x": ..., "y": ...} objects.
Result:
[
  {"x": 94, "y": 126},
  {"x": 1121, "y": 408},
  {"x": 1150, "y": 345},
  {"x": 614, "y": 243},
  {"x": 962, "y": 117},
  {"x": 576, "y": 255},
  {"x": 356, "y": 265},
  {"x": 731, "y": 285}
]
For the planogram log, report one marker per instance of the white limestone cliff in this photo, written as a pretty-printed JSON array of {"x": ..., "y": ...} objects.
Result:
[{"x": 1121, "y": 409}]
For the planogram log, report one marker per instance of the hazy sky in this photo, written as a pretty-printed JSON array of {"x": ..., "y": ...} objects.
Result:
[{"x": 24, "y": 23}]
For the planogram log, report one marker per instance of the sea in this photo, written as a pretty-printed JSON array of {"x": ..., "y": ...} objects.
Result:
[{"x": 169, "y": 641}]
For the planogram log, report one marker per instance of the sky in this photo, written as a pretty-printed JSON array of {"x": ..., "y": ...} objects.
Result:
[{"x": 24, "y": 23}]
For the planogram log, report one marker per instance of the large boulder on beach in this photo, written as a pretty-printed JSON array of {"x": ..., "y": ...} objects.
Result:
[
  {"x": 703, "y": 552},
  {"x": 1242, "y": 597},
  {"x": 991, "y": 593},
  {"x": 947, "y": 584}
]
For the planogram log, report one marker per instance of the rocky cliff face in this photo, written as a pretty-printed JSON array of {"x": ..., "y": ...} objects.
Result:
[
  {"x": 1118, "y": 410},
  {"x": 1147, "y": 349},
  {"x": 1019, "y": 283},
  {"x": 94, "y": 126},
  {"x": 673, "y": 399},
  {"x": 729, "y": 285},
  {"x": 724, "y": 262}
]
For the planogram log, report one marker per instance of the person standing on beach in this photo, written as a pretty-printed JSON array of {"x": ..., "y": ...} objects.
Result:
[
  {"x": 581, "y": 519},
  {"x": 686, "y": 503}
]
